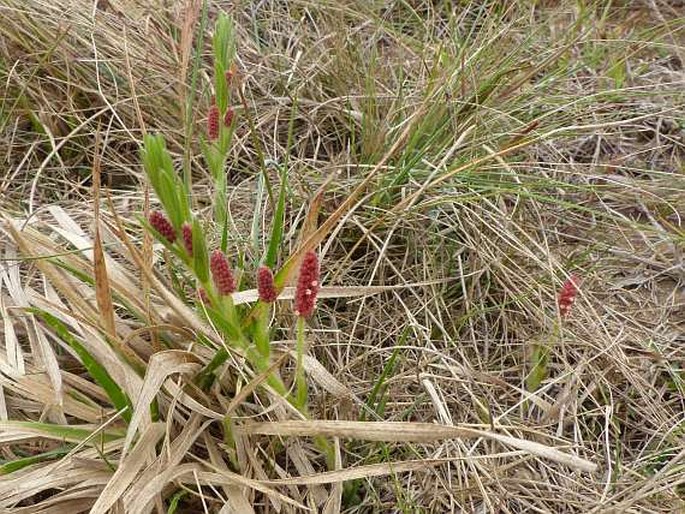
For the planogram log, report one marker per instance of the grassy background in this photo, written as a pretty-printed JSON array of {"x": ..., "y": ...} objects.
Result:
[{"x": 511, "y": 145}]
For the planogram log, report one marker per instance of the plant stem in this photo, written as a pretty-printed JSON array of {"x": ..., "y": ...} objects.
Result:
[
  {"x": 262, "y": 340},
  {"x": 300, "y": 381}
]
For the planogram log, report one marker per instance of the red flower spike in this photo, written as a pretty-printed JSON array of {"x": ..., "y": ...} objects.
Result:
[
  {"x": 307, "y": 285},
  {"x": 221, "y": 273},
  {"x": 187, "y": 233},
  {"x": 162, "y": 225},
  {"x": 567, "y": 295},
  {"x": 228, "y": 117},
  {"x": 265, "y": 285},
  {"x": 213, "y": 122}
]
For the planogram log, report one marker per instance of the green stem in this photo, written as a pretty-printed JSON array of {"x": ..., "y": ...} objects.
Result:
[
  {"x": 300, "y": 381},
  {"x": 262, "y": 339},
  {"x": 187, "y": 172}
]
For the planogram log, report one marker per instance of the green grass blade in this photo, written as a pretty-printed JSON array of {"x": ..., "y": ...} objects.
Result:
[
  {"x": 75, "y": 434},
  {"x": 187, "y": 171},
  {"x": 278, "y": 221},
  {"x": 17, "y": 464},
  {"x": 119, "y": 399}
]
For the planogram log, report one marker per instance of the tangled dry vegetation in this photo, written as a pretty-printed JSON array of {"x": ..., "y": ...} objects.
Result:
[{"x": 464, "y": 158}]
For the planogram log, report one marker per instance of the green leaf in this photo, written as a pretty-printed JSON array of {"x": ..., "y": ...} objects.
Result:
[
  {"x": 168, "y": 194},
  {"x": 224, "y": 52},
  {"x": 94, "y": 368},
  {"x": 375, "y": 401},
  {"x": 156, "y": 158},
  {"x": 169, "y": 188},
  {"x": 175, "y": 500},
  {"x": 190, "y": 100},
  {"x": 221, "y": 208},
  {"x": 538, "y": 362},
  {"x": 183, "y": 198},
  {"x": 17, "y": 464},
  {"x": 213, "y": 158},
  {"x": 277, "y": 225},
  {"x": 224, "y": 320},
  {"x": 200, "y": 257},
  {"x": 255, "y": 229},
  {"x": 72, "y": 434},
  {"x": 206, "y": 377}
]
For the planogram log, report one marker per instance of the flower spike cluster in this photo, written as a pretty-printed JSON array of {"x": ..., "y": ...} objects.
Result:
[
  {"x": 187, "y": 234},
  {"x": 228, "y": 117},
  {"x": 221, "y": 273},
  {"x": 265, "y": 285},
  {"x": 307, "y": 285},
  {"x": 567, "y": 295},
  {"x": 162, "y": 225},
  {"x": 213, "y": 122}
]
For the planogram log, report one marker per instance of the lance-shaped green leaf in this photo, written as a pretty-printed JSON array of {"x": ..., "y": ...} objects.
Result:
[
  {"x": 67, "y": 433},
  {"x": 277, "y": 225},
  {"x": 224, "y": 52},
  {"x": 538, "y": 373},
  {"x": 167, "y": 185},
  {"x": 156, "y": 158},
  {"x": 200, "y": 259},
  {"x": 17, "y": 464},
  {"x": 94, "y": 368}
]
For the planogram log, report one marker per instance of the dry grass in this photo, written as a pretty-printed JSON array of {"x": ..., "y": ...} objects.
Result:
[{"x": 505, "y": 147}]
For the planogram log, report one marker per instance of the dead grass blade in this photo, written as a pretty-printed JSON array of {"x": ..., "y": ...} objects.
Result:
[
  {"x": 334, "y": 503},
  {"x": 288, "y": 293},
  {"x": 408, "y": 432},
  {"x": 367, "y": 471},
  {"x": 169, "y": 457},
  {"x": 22, "y": 486},
  {"x": 161, "y": 365},
  {"x": 190, "y": 473},
  {"x": 237, "y": 497},
  {"x": 129, "y": 466},
  {"x": 103, "y": 294}
]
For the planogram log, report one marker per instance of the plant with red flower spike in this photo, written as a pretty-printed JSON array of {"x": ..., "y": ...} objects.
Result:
[
  {"x": 539, "y": 357},
  {"x": 266, "y": 290},
  {"x": 307, "y": 285},
  {"x": 567, "y": 295},
  {"x": 187, "y": 234},
  {"x": 162, "y": 225},
  {"x": 213, "y": 122},
  {"x": 305, "y": 300},
  {"x": 265, "y": 285},
  {"x": 221, "y": 273}
]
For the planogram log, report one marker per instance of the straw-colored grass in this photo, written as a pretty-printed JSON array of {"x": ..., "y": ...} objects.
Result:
[{"x": 452, "y": 162}]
